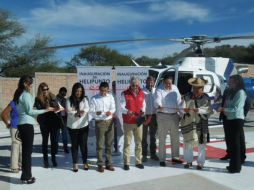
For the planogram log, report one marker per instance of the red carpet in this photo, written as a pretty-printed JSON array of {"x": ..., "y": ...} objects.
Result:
[{"x": 213, "y": 152}]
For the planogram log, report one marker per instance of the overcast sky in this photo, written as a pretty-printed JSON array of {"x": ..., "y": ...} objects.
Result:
[{"x": 77, "y": 21}]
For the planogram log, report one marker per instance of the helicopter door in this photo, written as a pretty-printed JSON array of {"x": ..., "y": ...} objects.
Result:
[{"x": 209, "y": 87}]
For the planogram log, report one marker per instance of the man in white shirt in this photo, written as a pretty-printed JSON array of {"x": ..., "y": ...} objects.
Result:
[
  {"x": 151, "y": 123},
  {"x": 167, "y": 103},
  {"x": 102, "y": 109}
]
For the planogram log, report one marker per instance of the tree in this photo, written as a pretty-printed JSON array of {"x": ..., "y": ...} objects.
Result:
[
  {"x": 10, "y": 29},
  {"x": 30, "y": 58},
  {"x": 99, "y": 55}
]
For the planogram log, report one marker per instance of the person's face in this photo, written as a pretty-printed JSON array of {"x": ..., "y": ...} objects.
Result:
[
  {"x": 168, "y": 84},
  {"x": 150, "y": 84},
  {"x": 135, "y": 86},
  {"x": 231, "y": 83},
  {"x": 197, "y": 90},
  {"x": 45, "y": 90},
  {"x": 103, "y": 91},
  {"x": 63, "y": 93},
  {"x": 78, "y": 93},
  {"x": 28, "y": 86}
]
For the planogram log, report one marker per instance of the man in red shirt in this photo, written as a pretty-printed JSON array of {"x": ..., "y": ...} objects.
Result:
[{"x": 133, "y": 107}]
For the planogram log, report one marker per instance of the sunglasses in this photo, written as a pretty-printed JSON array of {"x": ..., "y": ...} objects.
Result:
[{"x": 45, "y": 89}]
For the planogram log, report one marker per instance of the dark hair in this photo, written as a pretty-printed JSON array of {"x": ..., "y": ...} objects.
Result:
[
  {"x": 150, "y": 77},
  {"x": 239, "y": 85},
  {"x": 62, "y": 89},
  {"x": 104, "y": 85},
  {"x": 74, "y": 101},
  {"x": 167, "y": 77},
  {"x": 21, "y": 87}
]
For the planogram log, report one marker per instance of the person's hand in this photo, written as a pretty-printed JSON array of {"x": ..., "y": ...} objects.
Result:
[
  {"x": 50, "y": 109},
  {"x": 186, "y": 110},
  {"x": 159, "y": 108},
  {"x": 221, "y": 110},
  {"x": 98, "y": 113},
  {"x": 129, "y": 112},
  {"x": 195, "y": 110},
  {"x": 108, "y": 113},
  {"x": 81, "y": 113},
  {"x": 8, "y": 126}
]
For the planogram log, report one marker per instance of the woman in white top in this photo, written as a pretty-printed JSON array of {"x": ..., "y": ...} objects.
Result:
[{"x": 77, "y": 122}]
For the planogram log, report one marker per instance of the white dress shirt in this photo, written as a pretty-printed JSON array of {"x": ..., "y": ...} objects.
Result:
[
  {"x": 169, "y": 100},
  {"x": 77, "y": 122},
  {"x": 149, "y": 98},
  {"x": 102, "y": 104}
]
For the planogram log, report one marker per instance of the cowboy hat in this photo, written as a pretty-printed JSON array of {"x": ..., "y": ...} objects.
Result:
[{"x": 197, "y": 82}]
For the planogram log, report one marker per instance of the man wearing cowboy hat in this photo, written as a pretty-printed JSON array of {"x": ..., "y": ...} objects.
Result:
[{"x": 194, "y": 124}]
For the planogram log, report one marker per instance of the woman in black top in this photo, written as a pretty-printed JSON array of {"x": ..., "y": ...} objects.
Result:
[{"x": 49, "y": 122}]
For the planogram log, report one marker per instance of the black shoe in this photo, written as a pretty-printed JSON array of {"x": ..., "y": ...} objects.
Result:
[
  {"x": 126, "y": 167},
  {"x": 140, "y": 166},
  {"x": 29, "y": 181},
  {"x": 154, "y": 157},
  {"x": 54, "y": 162},
  {"x": 45, "y": 163},
  {"x": 226, "y": 157},
  {"x": 188, "y": 165},
  {"x": 144, "y": 159},
  {"x": 163, "y": 164},
  {"x": 199, "y": 167},
  {"x": 177, "y": 161},
  {"x": 230, "y": 170}
]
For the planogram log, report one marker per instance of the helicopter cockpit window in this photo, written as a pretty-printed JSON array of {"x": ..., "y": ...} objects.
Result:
[{"x": 210, "y": 83}]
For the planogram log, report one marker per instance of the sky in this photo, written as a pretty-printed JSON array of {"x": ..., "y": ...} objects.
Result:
[{"x": 79, "y": 21}]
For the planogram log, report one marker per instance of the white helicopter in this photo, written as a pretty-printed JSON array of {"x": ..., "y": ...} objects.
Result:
[{"x": 215, "y": 70}]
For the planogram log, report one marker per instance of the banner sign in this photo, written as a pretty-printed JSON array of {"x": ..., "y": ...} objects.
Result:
[{"x": 92, "y": 76}]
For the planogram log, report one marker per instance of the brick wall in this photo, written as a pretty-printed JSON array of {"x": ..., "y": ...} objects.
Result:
[{"x": 54, "y": 80}]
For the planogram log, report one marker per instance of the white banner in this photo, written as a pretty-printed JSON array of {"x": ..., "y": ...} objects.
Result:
[{"x": 92, "y": 76}]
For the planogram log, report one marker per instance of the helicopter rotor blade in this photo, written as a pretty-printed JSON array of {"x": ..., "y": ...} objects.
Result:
[
  {"x": 112, "y": 42},
  {"x": 194, "y": 41}
]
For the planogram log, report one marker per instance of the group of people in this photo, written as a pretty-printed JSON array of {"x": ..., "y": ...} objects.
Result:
[{"x": 158, "y": 111}]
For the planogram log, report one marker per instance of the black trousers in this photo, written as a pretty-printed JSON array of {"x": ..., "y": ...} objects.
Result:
[
  {"x": 226, "y": 127},
  {"x": 236, "y": 143},
  {"x": 47, "y": 131},
  {"x": 152, "y": 127},
  {"x": 79, "y": 138},
  {"x": 27, "y": 138}
]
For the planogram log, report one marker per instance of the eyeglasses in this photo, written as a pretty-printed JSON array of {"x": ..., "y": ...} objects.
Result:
[{"x": 45, "y": 89}]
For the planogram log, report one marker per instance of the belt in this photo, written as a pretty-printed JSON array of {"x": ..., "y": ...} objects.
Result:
[{"x": 166, "y": 113}]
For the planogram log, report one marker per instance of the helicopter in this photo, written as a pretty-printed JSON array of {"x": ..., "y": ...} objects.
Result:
[{"x": 215, "y": 70}]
